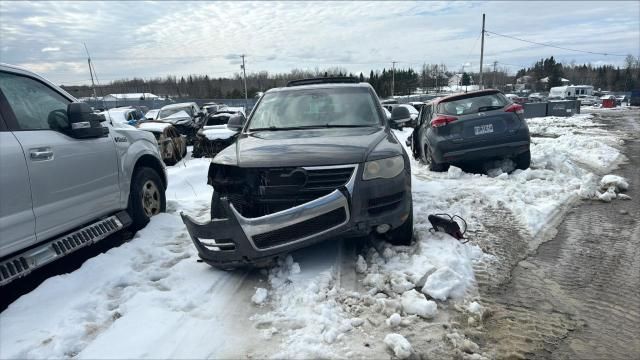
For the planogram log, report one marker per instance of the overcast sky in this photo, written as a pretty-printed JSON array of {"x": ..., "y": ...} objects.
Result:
[{"x": 149, "y": 39}]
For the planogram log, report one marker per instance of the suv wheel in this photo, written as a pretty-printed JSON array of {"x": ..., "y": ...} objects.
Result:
[
  {"x": 523, "y": 161},
  {"x": 403, "y": 235},
  {"x": 428, "y": 160},
  {"x": 147, "y": 197}
]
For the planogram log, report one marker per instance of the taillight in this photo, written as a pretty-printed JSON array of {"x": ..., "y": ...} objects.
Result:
[
  {"x": 442, "y": 120},
  {"x": 516, "y": 108}
]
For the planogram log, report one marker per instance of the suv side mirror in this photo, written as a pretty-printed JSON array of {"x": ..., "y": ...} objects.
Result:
[
  {"x": 84, "y": 123},
  {"x": 236, "y": 122},
  {"x": 400, "y": 114}
]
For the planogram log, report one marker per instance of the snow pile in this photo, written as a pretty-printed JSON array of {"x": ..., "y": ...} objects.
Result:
[
  {"x": 305, "y": 311},
  {"x": 399, "y": 345},
  {"x": 607, "y": 189},
  {"x": 444, "y": 283},
  {"x": 618, "y": 182},
  {"x": 414, "y": 303}
]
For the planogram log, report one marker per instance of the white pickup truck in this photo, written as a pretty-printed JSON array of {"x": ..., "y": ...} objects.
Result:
[{"x": 67, "y": 177}]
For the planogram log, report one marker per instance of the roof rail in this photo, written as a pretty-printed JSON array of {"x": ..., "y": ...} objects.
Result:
[{"x": 323, "y": 80}]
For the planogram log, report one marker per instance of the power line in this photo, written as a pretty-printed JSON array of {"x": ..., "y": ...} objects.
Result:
[{"x": 553, "y": 46}]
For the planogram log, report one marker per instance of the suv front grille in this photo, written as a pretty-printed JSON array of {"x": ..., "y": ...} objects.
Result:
[
  {"x": 300, "y": 230},
  {"x": 284, "y": 188}
]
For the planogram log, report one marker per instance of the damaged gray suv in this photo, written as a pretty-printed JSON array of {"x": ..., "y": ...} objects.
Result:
[{"x": 316, "y": 160}]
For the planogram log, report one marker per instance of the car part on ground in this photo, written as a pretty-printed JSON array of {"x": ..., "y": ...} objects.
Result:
[
  {"x": 446, "y": 223},
  {"x": 79, "y": 174},
  {"x": 471, "y": 127},
  {"x": 339, "y": 171}
]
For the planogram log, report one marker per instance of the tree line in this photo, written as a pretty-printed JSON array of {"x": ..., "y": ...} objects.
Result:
[
  {"x": 405, "y": 81},
  {"x": 605, "y": 77}
]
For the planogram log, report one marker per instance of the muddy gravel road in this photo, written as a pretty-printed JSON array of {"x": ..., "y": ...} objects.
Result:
[{"x": 577, "y": 296}]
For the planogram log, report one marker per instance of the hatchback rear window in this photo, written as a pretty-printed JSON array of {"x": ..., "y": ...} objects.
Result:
[{"x": 473, "y": 105}]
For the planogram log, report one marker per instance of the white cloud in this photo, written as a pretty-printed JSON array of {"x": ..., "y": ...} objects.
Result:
[
  {"x": 49, "y": 49},
  {"x": 201, "y": 37}
]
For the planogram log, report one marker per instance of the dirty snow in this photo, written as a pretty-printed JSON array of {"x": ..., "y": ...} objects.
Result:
[
  {"x": 152, "y": 298},
  {"x": 399, "y": 345},
  {"x": 415, "y": 303}
]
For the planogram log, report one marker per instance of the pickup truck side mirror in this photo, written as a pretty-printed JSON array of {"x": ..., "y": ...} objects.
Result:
[
  {"x": 236, "y": 122},
  {"x": 84, "y": 123}
]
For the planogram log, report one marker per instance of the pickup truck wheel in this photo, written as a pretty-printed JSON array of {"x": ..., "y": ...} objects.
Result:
[{"x": 147, "y": 197}]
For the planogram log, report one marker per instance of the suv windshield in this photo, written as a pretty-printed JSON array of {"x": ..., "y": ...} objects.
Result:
[
  {"x": 473, "y": 105},
  {"x": 168, "y": 112},
  {"x": 323, "y": 107}
]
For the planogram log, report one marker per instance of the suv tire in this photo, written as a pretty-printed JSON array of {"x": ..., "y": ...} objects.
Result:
[
  {"x": 147, "y": 197},
  {"x": 403, "y": 235},
  {"x": 523, "y": 160},
  {"x": 431, "y": 163}
]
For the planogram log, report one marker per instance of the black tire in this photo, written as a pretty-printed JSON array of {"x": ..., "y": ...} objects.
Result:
[
  {"x": 184, "y": 152},
  {"x": 428, "y": 160},
  {"x": 523, "y": 161},
  {"x": 139, "y": 208},
  {"x": 403, "y": 234}
]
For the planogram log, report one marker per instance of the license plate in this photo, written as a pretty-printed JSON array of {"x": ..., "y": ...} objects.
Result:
[{"x": 483, "y": 129}]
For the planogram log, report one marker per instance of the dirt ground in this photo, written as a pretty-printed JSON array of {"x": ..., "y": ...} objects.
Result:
[{"x": 577, "y": 296}]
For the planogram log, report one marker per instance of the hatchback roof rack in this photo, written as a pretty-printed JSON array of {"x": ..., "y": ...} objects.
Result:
[{"x": 323, "y": 80}]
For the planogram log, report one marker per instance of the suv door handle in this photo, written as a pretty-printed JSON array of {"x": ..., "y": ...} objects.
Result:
[{"x": 41, "y": 154}]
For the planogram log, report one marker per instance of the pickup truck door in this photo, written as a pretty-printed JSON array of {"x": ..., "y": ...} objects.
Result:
[
  {"x": 73, "y": 181},
  {"x": 17, "y": 222}
]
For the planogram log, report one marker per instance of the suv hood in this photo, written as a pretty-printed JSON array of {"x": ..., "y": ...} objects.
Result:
[{"x": 313, "y": 147}]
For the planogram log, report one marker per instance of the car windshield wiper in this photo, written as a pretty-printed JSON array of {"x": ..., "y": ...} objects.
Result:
[
  {"x": 348, "y": 126},
  {"x": 489, "y": 108}
]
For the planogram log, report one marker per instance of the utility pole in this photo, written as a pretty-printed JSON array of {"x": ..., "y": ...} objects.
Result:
[
  {"x": 93, "y": 85},
  {"x": 495, "y": 64},
  {"x": 481, "y": 53},
  {"x": 393, "y": 77},
  {"x": 244, "y": 72}
]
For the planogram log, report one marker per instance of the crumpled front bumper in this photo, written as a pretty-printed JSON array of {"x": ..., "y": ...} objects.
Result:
[{"x": 237, "y": 240}]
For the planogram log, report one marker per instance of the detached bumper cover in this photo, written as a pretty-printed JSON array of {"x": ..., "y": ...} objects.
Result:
[{"x": 237, "y": 240}]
